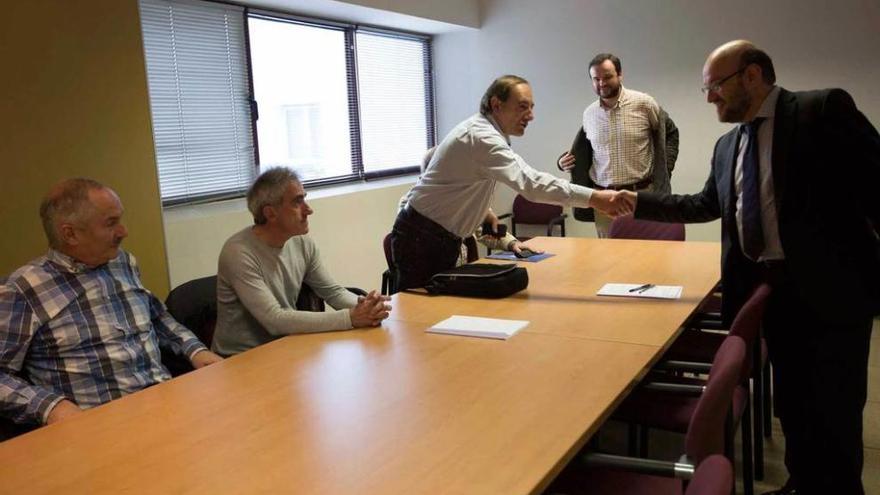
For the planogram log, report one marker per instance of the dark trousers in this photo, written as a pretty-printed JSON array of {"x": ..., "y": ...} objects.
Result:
[
  {"x": 820, "y": 375},
  {"x": 421, "y": 248}
]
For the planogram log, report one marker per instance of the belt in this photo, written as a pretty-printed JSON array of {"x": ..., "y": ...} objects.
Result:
[
  {"x": 642, "y": 184},
  {"x": 411, "y": 216}
]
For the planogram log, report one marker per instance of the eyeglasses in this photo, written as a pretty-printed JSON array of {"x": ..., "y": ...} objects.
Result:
[{"x": 716, "y": 86}]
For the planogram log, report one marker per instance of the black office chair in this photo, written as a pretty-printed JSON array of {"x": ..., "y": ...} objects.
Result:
[{"x": 194, "y": 305}]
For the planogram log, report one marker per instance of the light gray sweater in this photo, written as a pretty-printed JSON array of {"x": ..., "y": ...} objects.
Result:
[{"x": 257, "y": 288}]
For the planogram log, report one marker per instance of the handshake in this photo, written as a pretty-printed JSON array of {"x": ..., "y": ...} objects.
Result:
[{"x": 614, "y": 203}]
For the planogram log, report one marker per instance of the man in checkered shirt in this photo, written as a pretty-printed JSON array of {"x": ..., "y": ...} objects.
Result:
[
  {"x": 628, "y": 142},
  {"x": 77, "y": 327}
]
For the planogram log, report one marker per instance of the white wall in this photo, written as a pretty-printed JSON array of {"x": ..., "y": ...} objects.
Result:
[
  {"x": 814, "y": 44},
  {"x": 662, "y": 45}
]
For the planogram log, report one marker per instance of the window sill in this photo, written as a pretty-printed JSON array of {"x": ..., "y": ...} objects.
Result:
[{"x": 237, "y": 205}]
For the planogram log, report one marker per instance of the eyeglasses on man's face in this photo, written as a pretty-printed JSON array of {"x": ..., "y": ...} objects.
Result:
[{"x": 716, "y": 86}]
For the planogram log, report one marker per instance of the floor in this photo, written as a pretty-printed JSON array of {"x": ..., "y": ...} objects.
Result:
[{"x": 669, "y": 446}]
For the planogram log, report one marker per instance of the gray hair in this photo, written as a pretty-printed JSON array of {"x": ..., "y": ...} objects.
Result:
[
  {"x": 500, "y": 88},
  {"x": 67, "y": 202},
  {"x": 268, "y": 190}
]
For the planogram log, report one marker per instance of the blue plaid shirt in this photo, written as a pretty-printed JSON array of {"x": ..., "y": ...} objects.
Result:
[{"x": 89, "y": 335}]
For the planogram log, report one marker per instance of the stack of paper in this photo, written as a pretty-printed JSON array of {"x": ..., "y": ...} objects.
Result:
[
  {"x": 473, "y": 326},
  {"x": 641, "y": 290}
]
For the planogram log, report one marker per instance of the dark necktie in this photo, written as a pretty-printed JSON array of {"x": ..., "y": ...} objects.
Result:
[{"x": 753, "y": 233}]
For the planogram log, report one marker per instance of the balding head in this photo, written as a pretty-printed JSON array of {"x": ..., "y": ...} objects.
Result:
[
  {"x": 67, "y": 202},
  {"x": 737, "y": 76},
  {"x": 82, "y": 218}
]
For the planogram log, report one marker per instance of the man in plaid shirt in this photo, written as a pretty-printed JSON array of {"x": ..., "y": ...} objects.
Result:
[
  {"x": 77, "y": 327},
  {"x": 627, "y": 141}
]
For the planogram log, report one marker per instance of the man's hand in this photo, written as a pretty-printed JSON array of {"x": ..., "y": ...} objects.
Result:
[
  {"x": 565, "y": 162},
  {"x": 491, "y": 218},
  {"x": 204, "y": 358},
  {"x": 370, "y": 310},
  {"x": 62, "y": 411},
  {"x": 614, "y": 203},
  {"x": 517, "y": 248},
  {"x": 630, "y": 197}
]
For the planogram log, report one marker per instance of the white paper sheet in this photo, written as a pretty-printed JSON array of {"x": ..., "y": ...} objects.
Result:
[
  {"x": 474, "y": 326},
  {"x": 628, "y": 290}
]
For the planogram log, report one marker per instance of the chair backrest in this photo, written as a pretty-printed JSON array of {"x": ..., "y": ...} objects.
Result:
[
  {"x": 530, "y": 213},
  {"x": 714, "y": 476},
  {"x": 628, "y": 227},
  {"x": 194, "y": 305},
  {"x": 747, "y": 323},
  {"x": 705, "y": 434},
  {"x": 386, "y": 245}
]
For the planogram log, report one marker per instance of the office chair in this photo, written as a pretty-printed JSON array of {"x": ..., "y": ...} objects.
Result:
[
  {"x": 628, "y": 227},
  {"x": 705, "y": 437},
  {"x": 652, "y": 408},
  {"x": 526, "y": 212},
  {"x": 699, "y": 346},
  {"x": 389, "y": 280},
  {"x": 194, "y": 305}
]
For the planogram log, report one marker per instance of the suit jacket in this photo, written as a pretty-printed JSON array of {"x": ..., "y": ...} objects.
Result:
[
  {"x": 665, "y": 155},
  {"x": 826, "y": 168}
]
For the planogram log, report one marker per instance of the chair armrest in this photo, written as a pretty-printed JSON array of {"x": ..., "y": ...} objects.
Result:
[
  {"x": 675, "y": 388},
  {"x": 681, "y": 470},
  {"x": 684, "y": 366},
  {"x": 707, "y": 321},
  {"x": 506, "y": 215},
  {"x": 357, "y": 291}
]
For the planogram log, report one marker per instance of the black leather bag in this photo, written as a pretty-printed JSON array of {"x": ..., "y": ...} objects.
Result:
[{"x": 480, "y": 280}]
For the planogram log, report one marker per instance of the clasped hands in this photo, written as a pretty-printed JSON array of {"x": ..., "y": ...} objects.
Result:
[{"x": 370, "y": 310}]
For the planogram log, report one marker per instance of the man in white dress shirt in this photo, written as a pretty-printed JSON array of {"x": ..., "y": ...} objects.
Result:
[{"x": 453, "y": 195}]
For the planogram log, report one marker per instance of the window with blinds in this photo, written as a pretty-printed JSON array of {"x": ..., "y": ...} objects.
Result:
[
  {"x": 396, "y": 101},
  {"x": 199, "y": 96},
  {"x": 335, "y": 102}
]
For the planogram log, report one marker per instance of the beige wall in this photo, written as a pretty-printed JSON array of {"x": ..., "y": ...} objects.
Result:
[{"x": 74, "y": 103}]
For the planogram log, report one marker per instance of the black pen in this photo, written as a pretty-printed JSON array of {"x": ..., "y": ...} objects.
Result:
[{"x": 641, "y": 288}]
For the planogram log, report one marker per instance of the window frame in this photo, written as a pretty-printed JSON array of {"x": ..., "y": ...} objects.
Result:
[
  {"x": 350, "y": 30},
  {"x": 357, "y": 173}
]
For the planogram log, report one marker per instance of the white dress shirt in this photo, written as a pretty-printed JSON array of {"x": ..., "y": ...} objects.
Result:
[{"x": 457, "y": 187}]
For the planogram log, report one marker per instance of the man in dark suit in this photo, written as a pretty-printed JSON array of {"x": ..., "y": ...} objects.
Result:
[{"x": 782, "y": 222}]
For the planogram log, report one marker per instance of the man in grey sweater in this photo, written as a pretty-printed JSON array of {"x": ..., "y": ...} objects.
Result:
[{"x": 263, "y": 267}]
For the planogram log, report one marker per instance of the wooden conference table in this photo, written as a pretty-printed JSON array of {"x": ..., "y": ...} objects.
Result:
[{"x": 393, "y": 409}]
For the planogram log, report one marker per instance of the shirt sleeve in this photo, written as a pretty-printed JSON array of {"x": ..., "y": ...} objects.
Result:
[
  {"x": 19, "y": 400},
  {"x": 176, "y": 336},
  {"x": 255, "y": 295},
  {"x": 169, "y": 332},
  {"x": 505, "y": 166},
  {"x": 323, "y": 284}
]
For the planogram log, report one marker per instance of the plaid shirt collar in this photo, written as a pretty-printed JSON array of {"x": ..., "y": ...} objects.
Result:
[{"x": 68, "y": 263}]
